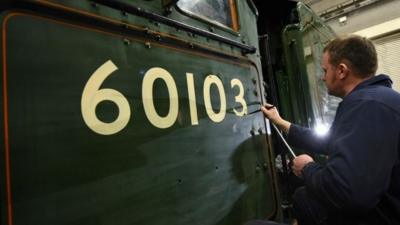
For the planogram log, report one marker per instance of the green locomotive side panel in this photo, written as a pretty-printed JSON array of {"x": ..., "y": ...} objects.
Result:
[
  {"x": 306, "y": 98},
  {"x": 315, "y": 35},
  {"x": 101, "y": 129},
  {"x": 297, "y": 93}
]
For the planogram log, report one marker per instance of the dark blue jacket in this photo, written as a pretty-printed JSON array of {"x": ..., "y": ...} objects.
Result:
[{"x": 362, "y": 174}]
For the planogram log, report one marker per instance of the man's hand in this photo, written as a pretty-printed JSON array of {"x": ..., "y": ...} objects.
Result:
[
  {"x": 272, "y": 114},
  {"x": 299, "y": 162}
]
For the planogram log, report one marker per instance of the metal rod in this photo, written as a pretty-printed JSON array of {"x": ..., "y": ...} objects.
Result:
[
  {"x": 284, "y": 141},
  {"x": 259, "y": 110},
  {"x": 230, "y": 110}
]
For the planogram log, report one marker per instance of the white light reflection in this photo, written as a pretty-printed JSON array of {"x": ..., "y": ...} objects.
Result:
[{"x": 321, "y": 129}]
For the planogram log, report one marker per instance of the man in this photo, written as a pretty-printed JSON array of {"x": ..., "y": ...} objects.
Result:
[{"x": 360, "y": 183}]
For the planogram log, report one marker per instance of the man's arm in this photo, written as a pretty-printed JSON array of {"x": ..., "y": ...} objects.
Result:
[
  {"x": 363, "y": 153},
  {"x": 272, "y": 114},
  {"x": 298, "y": 136},
  {"x": 308, "y": 139}
]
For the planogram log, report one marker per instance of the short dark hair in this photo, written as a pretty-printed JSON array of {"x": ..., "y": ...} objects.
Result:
[{"x": 358, "y": 51}]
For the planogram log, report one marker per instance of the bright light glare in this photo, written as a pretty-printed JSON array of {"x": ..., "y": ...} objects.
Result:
[{"x": 321, "y": 129}]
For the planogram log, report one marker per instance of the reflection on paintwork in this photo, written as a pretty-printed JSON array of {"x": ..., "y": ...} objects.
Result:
[
  {"x": 315, "y": 36},
  {"x": 215, "y": 10}
]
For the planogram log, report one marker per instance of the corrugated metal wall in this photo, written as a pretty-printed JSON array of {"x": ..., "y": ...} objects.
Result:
[
  {"x": 388, "y": 49},
  {"x": 380, "y": 22}
]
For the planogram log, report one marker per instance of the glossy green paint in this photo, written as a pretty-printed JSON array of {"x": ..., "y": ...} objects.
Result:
[
  {"x": 315, "y": 35},
  {"x": 61, "y": 172},
  {"x": 296, "y": 72},
  {"x": 303, "y": 44}
]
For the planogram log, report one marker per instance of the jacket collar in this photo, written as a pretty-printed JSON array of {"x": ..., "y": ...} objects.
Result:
[{"x": 381, "y": 79}]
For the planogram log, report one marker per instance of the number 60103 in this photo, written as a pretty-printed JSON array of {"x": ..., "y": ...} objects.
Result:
[{"x": 92, "y": 95}]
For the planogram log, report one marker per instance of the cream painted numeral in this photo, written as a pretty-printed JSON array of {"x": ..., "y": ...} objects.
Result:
[
  {"x": 192, "y": 99},
  {"x": 239, "y": 98},
  {"x": 214, "y": 116},
  {"x": 148, "y": 102},
  {"x": 92, "y": 95}
]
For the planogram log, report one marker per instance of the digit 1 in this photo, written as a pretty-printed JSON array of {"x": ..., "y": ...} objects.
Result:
[{"x": 192, "y": 99}]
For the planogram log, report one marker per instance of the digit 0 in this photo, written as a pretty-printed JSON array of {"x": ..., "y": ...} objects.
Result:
[
  {"x": 148, "y": 102},
  {"x": 214, "y": 116}
]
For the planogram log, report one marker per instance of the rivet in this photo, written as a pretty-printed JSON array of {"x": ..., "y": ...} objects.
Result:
[
  {"x": 255, "y": 93},
  {"x": 168, "y": 11},
  {"x": 260, "y": 131},
  {"x": 252, "y": 132},
  {"x": 211, "y": 29},
  {"x": 93, "y": 4},
  {"x": 258, "y": 169},
  {"x": 158, "y": 38},
  {"x": 127, "y": 41},
  {"x": 148, "y": 45},
  {"x": 191, "y": 45},
  {"x": 254, "y": 80},
  {"x": 124, "y": 13},
  {"x": 146, "y": 30}
]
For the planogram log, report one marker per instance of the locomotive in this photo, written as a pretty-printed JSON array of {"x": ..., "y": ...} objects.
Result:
[{"x": 147, "y": 111}]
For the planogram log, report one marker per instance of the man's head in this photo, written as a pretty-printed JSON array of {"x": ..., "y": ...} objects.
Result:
[{"x": 348, "y": 61}]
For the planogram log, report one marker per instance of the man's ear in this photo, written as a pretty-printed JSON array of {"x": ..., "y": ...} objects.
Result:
[{"x": 343, "y": 71}]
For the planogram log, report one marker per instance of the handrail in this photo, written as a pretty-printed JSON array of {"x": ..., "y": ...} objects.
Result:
[{"x": 116, "y": 4}]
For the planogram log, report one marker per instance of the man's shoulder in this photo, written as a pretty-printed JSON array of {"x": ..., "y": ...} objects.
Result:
[{"x": 378, "y": 95}]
